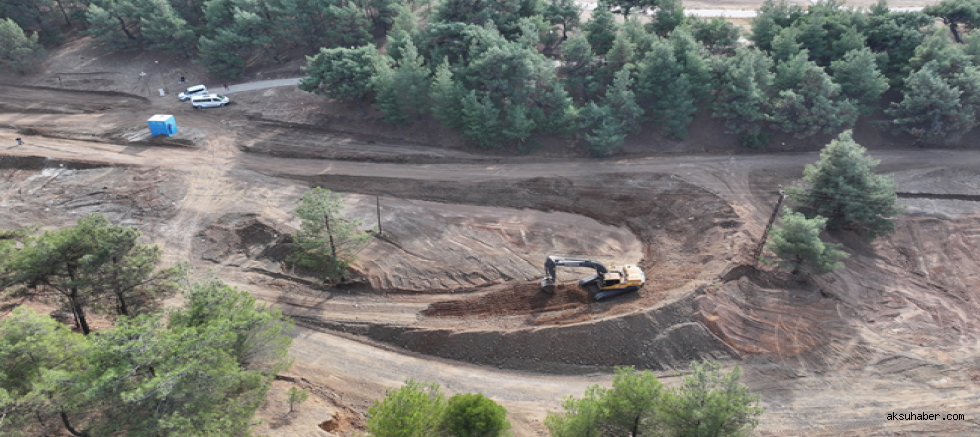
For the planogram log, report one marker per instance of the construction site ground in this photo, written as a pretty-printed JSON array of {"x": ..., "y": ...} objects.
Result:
[{"x": 448, "y": 292}]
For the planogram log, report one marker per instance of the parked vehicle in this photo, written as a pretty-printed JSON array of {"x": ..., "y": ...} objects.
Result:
[
  {"x": 196, "y": 90},
  {"x": 209, "y": 101}
]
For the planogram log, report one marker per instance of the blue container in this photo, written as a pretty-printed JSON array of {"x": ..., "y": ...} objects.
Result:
[{"x": 162, "y": 125}]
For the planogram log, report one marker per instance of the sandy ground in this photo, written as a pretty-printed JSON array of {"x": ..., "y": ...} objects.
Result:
[{"x": 464, "y": 235}]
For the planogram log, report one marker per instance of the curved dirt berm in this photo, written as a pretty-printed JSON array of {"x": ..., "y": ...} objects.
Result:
[{"x": 664, "y": 338}]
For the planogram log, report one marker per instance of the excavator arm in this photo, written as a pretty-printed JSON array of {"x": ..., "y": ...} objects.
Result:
[{"x": 548, "y": 282}]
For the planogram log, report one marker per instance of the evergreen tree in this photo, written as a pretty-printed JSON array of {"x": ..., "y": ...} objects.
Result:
[
  {"x": 481, "y": 120},
  {"x": 719, "y": 35},
  {"x": 564, "y": 13},
  {"x": 621, "y": 53},
  {"x": 639, "y": 37},
  {"x": 932, "y": 109},
  {"x": 39, "y": 357},
  {"x": 447, "y": 97},
  {"x": 93, "y": 266},
  {"x": 956, "y": 12},
  {"x": 668, "y": 16},
  {"x": 327, "y": 241},
  {"x": 690, "y": 54},
  {"x": 341, "y": 73},
  {"x": 165, "y": 30},
  {"x": 403, "y": 93},
  {"x": 769, "y": 21},
  {"x": 601, "y": 30},
  {"x": 621, "y": 101},
  {"x": 556, "y": 112},
  {"x": 809, "y": 102},
  {"x": 519, "y": 125},
  {"x": 19, "y": 52},
  {"x": 606, "y": 132},
  {"x": 844, "y": 188},
  {"x": 578, "y": 66},
  {"x": 296, "y": 396},
  {"x": 710, "y": 402},
  {"x": 796, "y": 242},
  {"x": 743, "y": 94},
  {"x": 664, "y": 91},
  {"x": 858, "y": 76},
  {"x": 114, "y": 24},
  {"x": 415, "y": 410},
  {"x": 894, "y": 36},
  {"x": 474, "y": 415},
  {"x": 784, "y": 45}
]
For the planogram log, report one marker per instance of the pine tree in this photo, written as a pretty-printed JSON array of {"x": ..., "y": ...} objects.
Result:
[
  {"x": 165, "y": 30},
  {"x": 578, "y": 66},
  {"x": 931, "y": 108},
  {"x": 606, "y": 132},
  {"x": 719, "y": 35},
  {"x": 403, "y": 93},
  {"x": 859, "y": 79},
  {"x": 447, "y": 97},
  {"x": 601, "y": 30},
  {"x": 844, "y": 188},
  {"x": 711, "y": 402},
  {"x": 743, "y": 94},
  {"x": 784, "y": 45},
  {"x": 668, "y": 16},
  {"x": 481, "y": 120},
  {"x": 796, "y": 242},
  {"x": 809, "y": 102},
  {"x": 327, "y": 241},
  {"x": 18, "y": 52},
  {"x": 621, "y": 101},
  {"x": 519, "y": 125},
  {"x": 415, "y": 410},
  {"x": 664, "y": 91},
  {"x": 691, "y": 55},
  {"x": 769, "y": 21},
  {"x": 341, "y": 73}
]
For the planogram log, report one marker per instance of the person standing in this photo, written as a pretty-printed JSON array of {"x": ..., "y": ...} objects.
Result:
[
  {"x": 226, "y": 86},
  {"x": 20, "y": 142}
]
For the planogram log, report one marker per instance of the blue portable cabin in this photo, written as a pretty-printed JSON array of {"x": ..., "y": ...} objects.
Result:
[{"x": 162, "y": 125}]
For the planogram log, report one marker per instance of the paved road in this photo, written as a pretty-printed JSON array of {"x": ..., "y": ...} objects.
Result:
[{"x": 262, "y": 84}]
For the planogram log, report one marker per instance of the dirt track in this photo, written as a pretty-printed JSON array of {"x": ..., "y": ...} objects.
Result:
[{"x": 894, "y": 330}]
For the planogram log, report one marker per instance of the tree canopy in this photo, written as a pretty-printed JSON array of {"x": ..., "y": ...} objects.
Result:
[
  {"x": 797, "y": 244},
  {"x": 327, "y": 242},
  {"x": 709, "y": 402},
  {"x": 843, "y": 187}
]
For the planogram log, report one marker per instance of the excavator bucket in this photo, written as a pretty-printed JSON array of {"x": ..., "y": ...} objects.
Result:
[{"x": 548, "y": 285}]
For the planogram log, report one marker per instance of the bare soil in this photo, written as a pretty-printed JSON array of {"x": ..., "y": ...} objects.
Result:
[{"x": 448, "y": 291}]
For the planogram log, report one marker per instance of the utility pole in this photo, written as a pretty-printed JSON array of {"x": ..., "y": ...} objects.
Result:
[
  {"x": 378, "y": 201},
  {"x": 333, "y": 249},
  {"x": 772, "y": 219}
]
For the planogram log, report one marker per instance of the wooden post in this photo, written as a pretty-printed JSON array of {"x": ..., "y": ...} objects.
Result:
[
  {"x": 378, "y": 200},
  {"x": 333, "y": 249},
  {"x": 772, "y": 219}
]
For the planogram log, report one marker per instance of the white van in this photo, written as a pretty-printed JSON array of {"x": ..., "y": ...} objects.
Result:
[
  {"x": 195, "y": 90},
  {"x": 209, "y": 101}
]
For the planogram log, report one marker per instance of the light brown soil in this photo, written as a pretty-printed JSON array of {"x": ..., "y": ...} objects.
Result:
[{"x": 449, "y": 292}]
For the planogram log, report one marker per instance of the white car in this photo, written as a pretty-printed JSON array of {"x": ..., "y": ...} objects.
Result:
[
  {"x": 209, "y": 101},
  {"x": 196, "y": 90}
]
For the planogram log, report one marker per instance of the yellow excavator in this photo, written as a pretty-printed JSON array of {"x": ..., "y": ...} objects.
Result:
[{"x": 605, "y": 283}]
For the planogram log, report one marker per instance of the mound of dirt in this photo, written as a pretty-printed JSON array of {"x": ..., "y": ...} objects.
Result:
[
  {"x": 237, "y": 235},
  {"x": 512, "y": 300}
]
